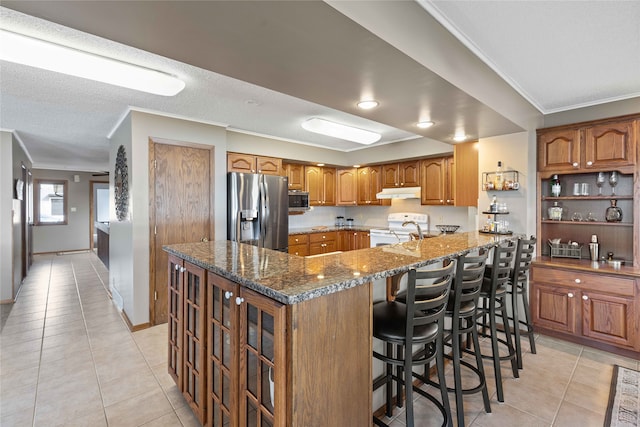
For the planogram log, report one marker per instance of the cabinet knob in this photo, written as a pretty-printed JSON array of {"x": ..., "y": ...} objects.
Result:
[
  {"x": 575, "y": 164},
  {"x": 177, "y": 267},
  {"x": 589, "y": 163},
  {"x": 228, "y": 294},
  {"x": 402, "y": 184},
  {"x": 584, "y": 297},
  {"x": 570, "y": 294},
  {"x": 182, "y": 269},
  {"x": 239, "y": 300},
  {"x": 441, "y": 201},
  {"x": 296, "y": 240},
  {"x": 448, "y": 201},
  {"x": 578, "y": 281}
]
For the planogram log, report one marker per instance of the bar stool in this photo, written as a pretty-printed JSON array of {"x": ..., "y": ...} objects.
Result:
[
  {"x": 519, "y": 281},
  {"x": 417, "y": 321},
  {"x": 462, "y": 309},
  {"x": 494, "y": 303}
]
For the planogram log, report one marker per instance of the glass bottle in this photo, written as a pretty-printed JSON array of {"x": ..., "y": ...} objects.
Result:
[
  {"x": 613, "y": 213},
  {"x": 555, "y": 186},
  {"x": 493, "y": 207},
  {"x": 498, "y": 182}
]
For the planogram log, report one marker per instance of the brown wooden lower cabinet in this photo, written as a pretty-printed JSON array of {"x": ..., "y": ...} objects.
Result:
[
  {"x": 264, "y": 363},
  {"x": 594, "y": 309}
]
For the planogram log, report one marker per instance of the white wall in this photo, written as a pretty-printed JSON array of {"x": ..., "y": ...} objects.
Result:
[
  {"x": 129, "y": 249},
  {"x": 75, "y": 235},
  {"x": 517, "y": 152},
  {"x": 6, "y": 206}
]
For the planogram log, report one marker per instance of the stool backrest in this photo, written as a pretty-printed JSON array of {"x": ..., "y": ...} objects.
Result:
[
  {"x": 524, "y": 255},
  {"x": 468, "y": 280},
  {"x": 503, "y": 255},
  {"x": 427, "y": 296}
]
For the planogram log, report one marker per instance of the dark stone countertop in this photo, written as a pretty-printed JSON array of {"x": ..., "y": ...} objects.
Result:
[{"x": 291, "y": 279}]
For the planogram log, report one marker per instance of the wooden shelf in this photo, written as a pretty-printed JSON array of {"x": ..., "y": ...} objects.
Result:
[
  {"x": 608, "y": 224},
  {"x": 606, "y": 198}
]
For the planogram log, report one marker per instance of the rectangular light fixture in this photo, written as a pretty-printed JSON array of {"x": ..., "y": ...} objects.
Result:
[
  {"x": 53, "y": 57},
  {"x": 337, "y": 130}
]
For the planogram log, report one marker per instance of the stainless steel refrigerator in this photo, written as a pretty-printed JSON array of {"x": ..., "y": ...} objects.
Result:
[{"x": 258, "y": 210}]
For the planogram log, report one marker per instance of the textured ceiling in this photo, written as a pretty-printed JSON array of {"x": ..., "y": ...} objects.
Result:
[
  {"x": 560, "y": 55},
  {"x": 264, "y": 67}
]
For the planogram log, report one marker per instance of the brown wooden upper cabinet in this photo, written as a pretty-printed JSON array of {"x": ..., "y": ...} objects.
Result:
[
  {"x": 404, "y": 174},
  {"x": 295, "y": 173},
  {"x": 370, "y": 184},
  {"x": 347, "y": 187},
  {"x": 249, "y": 163},
  {"x": 594, "y": 146},
  {"x": 610, "y": 145},
  {"x": 436, "y": 181},
  {"x": 320, "y": 182}
]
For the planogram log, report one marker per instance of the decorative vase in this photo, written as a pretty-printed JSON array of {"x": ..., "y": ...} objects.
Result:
[{"x": 613, "y": 213}]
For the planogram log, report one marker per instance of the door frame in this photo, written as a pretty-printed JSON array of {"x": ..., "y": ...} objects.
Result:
[
  {"x": 152, "y": 211},
  {"x": 92, "y": 213}
]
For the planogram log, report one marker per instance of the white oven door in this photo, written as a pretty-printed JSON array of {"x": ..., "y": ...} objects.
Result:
[{"x": 386, "y": 237}]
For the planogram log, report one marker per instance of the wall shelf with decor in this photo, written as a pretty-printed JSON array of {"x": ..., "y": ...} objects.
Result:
[{"x": 510, "y": 179}]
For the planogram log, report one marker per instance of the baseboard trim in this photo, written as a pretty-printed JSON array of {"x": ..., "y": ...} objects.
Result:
[
  {"x": 7, "y": 301},
  {"x": 130, "y": 325},
  {"x": 66, "y": 252}
]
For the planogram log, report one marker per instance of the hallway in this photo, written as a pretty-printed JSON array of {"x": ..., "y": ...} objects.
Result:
[{"x": 67, "y": 358}]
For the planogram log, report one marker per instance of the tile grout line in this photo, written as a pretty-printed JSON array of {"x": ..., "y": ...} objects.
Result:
[
  {"x": 566, "y": 389},
  {"x": 44, "y": 324},
  {"x": 93, "y": 360}
]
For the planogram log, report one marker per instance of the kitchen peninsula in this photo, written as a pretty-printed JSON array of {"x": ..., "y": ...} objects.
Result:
[{"x": 261, "y": 335}]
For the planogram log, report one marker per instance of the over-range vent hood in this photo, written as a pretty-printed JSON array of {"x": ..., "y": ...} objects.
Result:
[{"x": 399, "y": 193}]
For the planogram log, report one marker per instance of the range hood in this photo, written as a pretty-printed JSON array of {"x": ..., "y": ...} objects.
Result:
[{"x": 399, "y": 193}]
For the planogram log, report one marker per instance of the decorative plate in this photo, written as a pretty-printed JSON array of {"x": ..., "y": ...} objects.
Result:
[{"x": 121, "y": 185}]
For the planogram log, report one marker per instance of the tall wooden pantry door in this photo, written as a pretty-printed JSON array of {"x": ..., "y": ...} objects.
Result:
[{"x": 180, "y": 209}]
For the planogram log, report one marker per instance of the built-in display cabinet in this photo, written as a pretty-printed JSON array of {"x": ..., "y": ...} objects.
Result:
[{"x": 584, "y": 170}]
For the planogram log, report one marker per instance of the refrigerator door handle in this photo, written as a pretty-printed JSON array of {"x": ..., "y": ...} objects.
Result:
[
  {"x": 238, "y": 224},
  {"x": 264, "y": 211}
]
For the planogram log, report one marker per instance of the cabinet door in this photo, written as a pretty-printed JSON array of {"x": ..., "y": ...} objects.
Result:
[
  {"x": 347, "y": 187},
  {"x": 299, "y": 250},
  {"x": 174, "y": 323},
  {"x": 343, "y": 240},
  {"x": 329, "y": 186},
  {"x": 222, "y": 352},
  {"x": 194, "y": 351},
  {"x": 364, "y": 186},
  {"x": 295, "y": 173},
  {"x": 554, "y": 307},
  {"x": 364, "y": 240},
  {"x": 610, "y": 145},
  {"x": 263, "y": 362},
  {"x": 450, "y": 181},
  {"x": 269, "y": 165},
  {"x": 313, "y": 184},
  {"x": 609, "y": 318},
  {"x": 237, "y": 162},
  {"x": 433, "y": 175},
  {"x": 391, "y": 175},
  {"x": 410, "y": 173},
  {"x": 559, "y": 150},
  {"x": 464, "y": 173}
]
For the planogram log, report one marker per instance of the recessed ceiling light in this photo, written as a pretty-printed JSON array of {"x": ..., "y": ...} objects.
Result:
[
  {"x": 368, "y": 104},
  {"x": 54, "y": 57},
  {"x": 337, "y": 130},
  {"x": 459, "y": 137},
  {"x": 425, "y": 124}
]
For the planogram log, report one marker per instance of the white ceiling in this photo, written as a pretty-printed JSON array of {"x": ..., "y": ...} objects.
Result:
[{"x": 264, "y": 67}]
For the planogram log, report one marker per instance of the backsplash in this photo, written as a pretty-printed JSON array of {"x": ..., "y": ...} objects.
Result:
[{"x": 376, "y": 216}]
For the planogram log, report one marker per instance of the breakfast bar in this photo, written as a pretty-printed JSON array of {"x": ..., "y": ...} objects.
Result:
[{"x": 289, "y": 338}]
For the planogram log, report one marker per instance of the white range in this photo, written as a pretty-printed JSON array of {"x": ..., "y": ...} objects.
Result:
[{"x": 395, "y": 232}]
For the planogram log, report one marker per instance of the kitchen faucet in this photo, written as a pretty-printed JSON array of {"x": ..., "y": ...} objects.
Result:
[{"x": 420, "y": 237}]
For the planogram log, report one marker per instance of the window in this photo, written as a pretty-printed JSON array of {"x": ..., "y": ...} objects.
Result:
[{"x": 51, "y": 202}]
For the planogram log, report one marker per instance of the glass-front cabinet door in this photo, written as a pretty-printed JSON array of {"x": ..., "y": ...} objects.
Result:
[
  {"x": 174, "y": 361},
  {"x": 262, "y": 361},
  {"x": 222, "y": 358}
]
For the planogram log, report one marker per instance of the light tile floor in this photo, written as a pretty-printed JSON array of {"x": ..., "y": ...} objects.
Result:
[{"x": 68, "y": 359}]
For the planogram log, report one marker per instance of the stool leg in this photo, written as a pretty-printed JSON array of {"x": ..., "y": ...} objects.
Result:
[
  {"x": 527, "y": 316},
  {"x": 507, "y": 333},
  {"x": 479, "y": 363},
  {"x": 457, "y": 379},
  {"x": 408, "y": 386},
  {"x": 516, "y": 323},
  {"x": 389, "y": 381},
  {"x": 441, "y": 379},
  {"x": 399, "y": 375},
  {"x": 495, "y": 351}
]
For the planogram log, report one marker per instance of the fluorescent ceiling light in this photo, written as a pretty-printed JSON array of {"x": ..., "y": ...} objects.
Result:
[
  {"x": 459, "y": 137},
  {"x": 336, "y": 130},
  {"x": 368, "y": 104},
  {"x": 425, "y": 124},
  {"x": 53, "y": 57}
]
